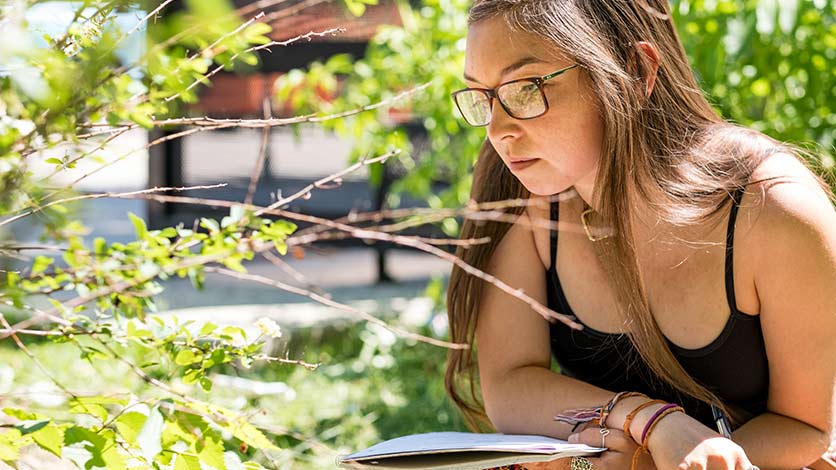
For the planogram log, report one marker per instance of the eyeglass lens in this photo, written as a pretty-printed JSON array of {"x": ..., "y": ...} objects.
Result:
[{"x": 521, "y": 99}]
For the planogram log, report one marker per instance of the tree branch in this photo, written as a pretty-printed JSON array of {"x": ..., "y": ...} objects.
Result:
[{"x": 331, "y": 303}]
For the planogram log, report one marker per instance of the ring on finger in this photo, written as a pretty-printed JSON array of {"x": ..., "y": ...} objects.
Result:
[{"x": 604, "y": 433}]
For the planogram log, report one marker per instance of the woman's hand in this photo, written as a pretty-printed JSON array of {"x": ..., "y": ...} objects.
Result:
[
  {"x": 618, "y": 456},
  {"x": 619, "y": 453},
  {"x": 681, "y": 442}
]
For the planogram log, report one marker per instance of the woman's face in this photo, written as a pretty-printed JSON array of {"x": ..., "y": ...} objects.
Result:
[{"x": 564, "y": 143}]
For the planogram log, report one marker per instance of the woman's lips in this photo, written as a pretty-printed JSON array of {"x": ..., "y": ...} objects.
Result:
[{"x": 520, "y": 165}]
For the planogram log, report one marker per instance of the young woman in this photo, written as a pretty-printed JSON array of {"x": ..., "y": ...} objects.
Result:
[{"x": 697, "y": 258}]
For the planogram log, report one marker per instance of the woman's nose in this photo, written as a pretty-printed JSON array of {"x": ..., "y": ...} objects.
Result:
[{"x": 502, "y": 126}]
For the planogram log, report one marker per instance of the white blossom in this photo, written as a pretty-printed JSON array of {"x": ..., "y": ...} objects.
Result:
[{"x": 269, "y": 327}]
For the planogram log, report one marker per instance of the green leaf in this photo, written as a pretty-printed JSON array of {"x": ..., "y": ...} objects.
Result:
[
  {"x": 130, "y": 424},
  {"x": 9, "y": 445},
  {"x": 81, "y": 406},
  {"x": 59, "y": 208},
  {"x": 253, "y": 466},
  {"x": 231, "y": 331},
  {"x": 210, "y": 224},
  {"x": 355, "y": 7},
  {"x": 143, "y": 119},
  {"x": 139, "y": 225},
  {"x": 149, "y": 438},
  {"x": 208, "y": 328},
  {"x": 84, "y": 447},
  {"x": 248, "y": 433},
  {"x": 50, "y": 439},
  {"x": 210, "y": 449},
  {"x": 186, "y": 462},
  {"x": 249, "y": 59},
  {"x": 30, "y": 426},
  {"x": 205, "y": 384},
  {"x": 134, "y": 332},
  {"x": 192, "y": 376},
  {"x": 22, "y": 415},
  {"x": 40, "y": 264},
  {"x": 187, "y": 357}
]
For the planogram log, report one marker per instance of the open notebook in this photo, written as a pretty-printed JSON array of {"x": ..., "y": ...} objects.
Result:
[{"x": 461, "y": 451}]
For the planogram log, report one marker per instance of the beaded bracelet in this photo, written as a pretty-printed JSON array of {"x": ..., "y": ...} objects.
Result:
[
  {"x": 661, "y": 413},
  {"x": 629, "y": 420},
  {"x": 607, "y": 409}
]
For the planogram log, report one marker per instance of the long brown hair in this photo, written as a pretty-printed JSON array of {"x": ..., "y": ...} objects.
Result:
[{"x": 671, "y": 149}]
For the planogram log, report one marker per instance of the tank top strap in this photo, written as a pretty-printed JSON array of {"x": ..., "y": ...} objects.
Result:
[{"x": 736, "y": 196}]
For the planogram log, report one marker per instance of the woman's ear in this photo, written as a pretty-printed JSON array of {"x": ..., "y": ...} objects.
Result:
[{"x": 649, "y": 61}]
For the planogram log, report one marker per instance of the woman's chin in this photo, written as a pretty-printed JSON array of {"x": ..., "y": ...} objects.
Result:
[{"x": 544, "y": 188}]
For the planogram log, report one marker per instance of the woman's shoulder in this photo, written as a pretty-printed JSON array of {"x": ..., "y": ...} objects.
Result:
[
  {"x": 787, "y": 195},
  {"x": 789, "y": 206}
]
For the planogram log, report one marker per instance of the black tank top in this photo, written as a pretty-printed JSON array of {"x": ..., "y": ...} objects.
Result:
[{"x": 734, "y": 365}]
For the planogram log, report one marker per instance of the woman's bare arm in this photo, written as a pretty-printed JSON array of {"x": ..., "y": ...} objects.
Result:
[
  {"x": 521, "y": 393},
  {"x": 795, "y": 239}
]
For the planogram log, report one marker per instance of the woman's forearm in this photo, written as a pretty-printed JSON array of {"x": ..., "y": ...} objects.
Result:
[
  {"x": 776, "y": 442},
  {"x": 525, "y": 401}
]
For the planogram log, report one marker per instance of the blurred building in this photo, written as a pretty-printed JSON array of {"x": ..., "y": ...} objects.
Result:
[
  {"x": 235, "y": 95},
  {"x": 229, "y": 156}
]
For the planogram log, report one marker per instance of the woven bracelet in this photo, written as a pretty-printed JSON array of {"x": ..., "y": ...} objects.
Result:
[
  {"x": 659, "y": 413},
  {"x": 607, "y": 409},
  {"x": 629, "y": 420}
]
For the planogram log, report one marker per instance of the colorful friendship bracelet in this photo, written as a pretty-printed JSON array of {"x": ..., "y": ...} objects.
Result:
[{"x": 607, "y": 409}]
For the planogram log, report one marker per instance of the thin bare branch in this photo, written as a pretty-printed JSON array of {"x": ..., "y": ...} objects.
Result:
[
  {"x": 306, "y": 365},
  {"x": 196, "y": 26},
  {"x": 259, "y": 5},
  {"x": 308, "y": 36},
  {"x": 367, "y": 234},
  {"x": 214, "y": 123},
  {"x": 22, "y": 347},
  {"x": 225, "y": 124},
  {"x": 103, "y": 195},
  {"x": 209, "y": 53},
  {"x": 292, "y": 10},
  {"x": 31, "y": 248},
  {"x": 140, "y": 22},
  {"x": 220, "y": 67},
  {"x": 463, "y": 242},
  {"x": 294, "y": 273},
  {"x": 322, "y": 183},
  {"x": 104, "y": 129},
  {"x": 37, "y": 318},
  {"x": 331, "y": 303},
  {"x": 258, "y": 169},
  {"x": 6, "y": 332},
  {"x": 492, "y": 211}
]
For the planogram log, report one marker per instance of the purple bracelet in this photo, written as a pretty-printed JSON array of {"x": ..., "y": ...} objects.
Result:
[{"x": 653, "y": 418}]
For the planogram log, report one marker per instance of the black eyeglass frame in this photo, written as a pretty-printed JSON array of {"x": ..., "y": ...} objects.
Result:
[{"x": 491, "y": 92}]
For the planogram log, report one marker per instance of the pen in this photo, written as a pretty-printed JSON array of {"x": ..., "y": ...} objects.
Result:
[{"x": 722, "y": 422}]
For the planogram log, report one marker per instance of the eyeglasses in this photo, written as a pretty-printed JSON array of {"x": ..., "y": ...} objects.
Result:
[{"x": 521, "y": 99}]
